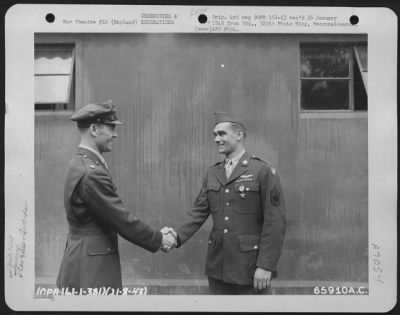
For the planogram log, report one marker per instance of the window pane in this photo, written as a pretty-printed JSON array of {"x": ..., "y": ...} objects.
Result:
[
  {"x": 52, "y": 89},
  {"x": 360, "y": 92},
  {"x": 325, "y": 94},
  {"x": 54, "y": 67},
  {"x": 53, "y": 61},
  {"x": 361, "y": 56},
  {"x": 325, "y": 60}
]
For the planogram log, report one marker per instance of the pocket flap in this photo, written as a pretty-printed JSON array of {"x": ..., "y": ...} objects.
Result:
[
  {"x": 248, "y": 242},
  {"x": 246, "y": 187},
  {"x": 101, "y": 245},
  {"x": 213, "y": 187}
]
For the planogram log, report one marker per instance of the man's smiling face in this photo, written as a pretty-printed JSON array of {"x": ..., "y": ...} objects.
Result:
[{"x": 226, "y": 138}]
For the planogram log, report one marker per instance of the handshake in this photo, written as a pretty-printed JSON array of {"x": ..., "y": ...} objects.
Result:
[{"x": 169, "y": 239}]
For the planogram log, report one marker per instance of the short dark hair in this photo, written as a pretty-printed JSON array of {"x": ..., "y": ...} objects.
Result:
[
  {"x": 84, "y": 125},
  {"x": 238, "y": 127},
  {"x": 83, "y": 128}
]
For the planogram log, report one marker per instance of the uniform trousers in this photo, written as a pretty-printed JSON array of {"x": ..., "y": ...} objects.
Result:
[{"x": 219, "y": 287}]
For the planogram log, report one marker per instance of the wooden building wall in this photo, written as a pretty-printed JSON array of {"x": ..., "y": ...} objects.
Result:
[{"x": 168, "y": 86}]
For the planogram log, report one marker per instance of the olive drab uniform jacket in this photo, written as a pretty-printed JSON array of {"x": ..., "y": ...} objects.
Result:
[
  {"x": 95, "y": 216},
  {"x": 248, "y": 212}
]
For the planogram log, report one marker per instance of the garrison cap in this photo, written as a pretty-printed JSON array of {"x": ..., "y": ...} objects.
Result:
[
  {"x": 228, "y": 117},
  {"x": 104, "y": 113}
]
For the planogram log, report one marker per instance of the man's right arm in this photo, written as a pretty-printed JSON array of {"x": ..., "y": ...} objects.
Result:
[
  {"x": 195, "y": 217},
  {"x": 98, "y": 192}
]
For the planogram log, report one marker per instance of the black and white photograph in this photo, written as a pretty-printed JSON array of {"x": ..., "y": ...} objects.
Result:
[{"x": 192, "y": 152}]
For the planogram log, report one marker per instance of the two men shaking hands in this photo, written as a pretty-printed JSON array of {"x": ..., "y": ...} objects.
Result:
[
  {"x": 242, "y": 193},
  {"x": 170, "y": 239}
]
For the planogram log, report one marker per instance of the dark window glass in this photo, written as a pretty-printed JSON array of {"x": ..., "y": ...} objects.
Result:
[
  {"x": 334, "y": 76},
  {"x": 325, "y": 94},
  {"x": 322, "y": 60},
  {"x": 360, "y": 94}
]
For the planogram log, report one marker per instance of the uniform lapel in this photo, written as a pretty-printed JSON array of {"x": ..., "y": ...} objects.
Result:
[
  {"x": 241, "y": 167},
  {"x": 220, "y": 174}
]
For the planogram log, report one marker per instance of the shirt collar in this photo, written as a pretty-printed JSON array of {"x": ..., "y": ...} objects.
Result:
[{"x": 236, "y": 159}]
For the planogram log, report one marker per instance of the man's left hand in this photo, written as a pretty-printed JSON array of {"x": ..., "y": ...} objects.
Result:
[{"x": 262, "y": 279}]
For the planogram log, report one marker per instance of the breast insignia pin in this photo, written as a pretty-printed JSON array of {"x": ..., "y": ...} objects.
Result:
[{"x": 242, "y": 194}]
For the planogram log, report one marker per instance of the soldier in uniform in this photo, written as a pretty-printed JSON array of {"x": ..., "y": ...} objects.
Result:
[
  {"x": 243, "y": 194},
  {"x": 94, "y": 210}
]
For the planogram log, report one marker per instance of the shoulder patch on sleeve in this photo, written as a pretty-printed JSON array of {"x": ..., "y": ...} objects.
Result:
[{"x": 275, "y": 196}]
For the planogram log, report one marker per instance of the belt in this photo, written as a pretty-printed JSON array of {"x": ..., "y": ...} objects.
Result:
[{"x": 93, "y": 230}]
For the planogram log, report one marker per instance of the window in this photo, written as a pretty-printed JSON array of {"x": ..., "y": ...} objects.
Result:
[
  {"x": 333, "y": 77},
  {"x": 54, "y": 79}
]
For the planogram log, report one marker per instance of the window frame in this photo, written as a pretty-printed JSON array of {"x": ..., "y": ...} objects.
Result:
[
  {"x": 75, "y": 45},
  {"x": 332, "y": 113}
]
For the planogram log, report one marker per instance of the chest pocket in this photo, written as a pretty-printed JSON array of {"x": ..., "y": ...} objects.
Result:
[
  {"x": 247, "y": 197},
  {"x": 214, "y": 196}
]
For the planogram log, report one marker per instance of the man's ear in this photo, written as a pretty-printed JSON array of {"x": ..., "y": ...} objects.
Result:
[
  {"x": 240, "y": 134},
  {"x": 93, "y": 130}
]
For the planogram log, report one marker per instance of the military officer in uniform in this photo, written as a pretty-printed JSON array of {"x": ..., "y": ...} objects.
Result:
[
  {"x": 243, "y": 195},
  {"x": 95, "y": 212}
]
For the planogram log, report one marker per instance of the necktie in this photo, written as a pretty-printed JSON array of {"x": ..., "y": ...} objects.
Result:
[{"x": 228, "y": 168}]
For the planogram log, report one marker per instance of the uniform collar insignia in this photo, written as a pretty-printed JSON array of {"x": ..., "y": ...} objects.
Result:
[{"x": 94, "y": 156}]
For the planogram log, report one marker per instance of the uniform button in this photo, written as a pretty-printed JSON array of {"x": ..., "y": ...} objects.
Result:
[
  {"x": 209, "y": 242},
  {"x": 108, "y": 249},
  {"x": 255, "y": 246},
  {"x": 225, "y": 230},
  {"x": 228, "y": 203},
  {"x": 226, "y": 190},
  {"x": 226, "y": 218}
]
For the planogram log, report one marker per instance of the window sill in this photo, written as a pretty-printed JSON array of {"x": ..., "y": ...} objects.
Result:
[{"x": 333, "y": 115}]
